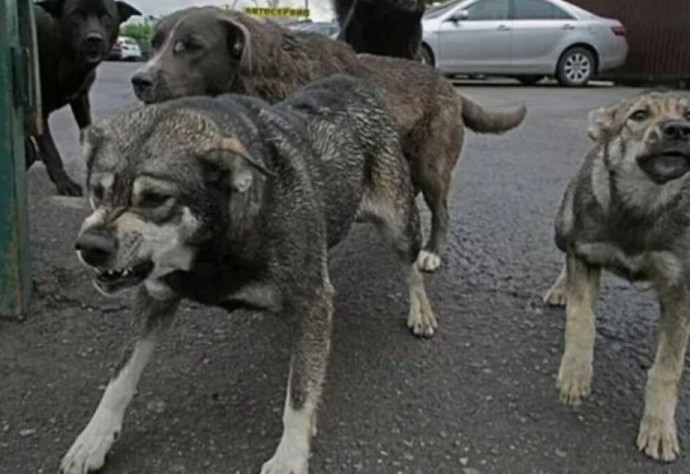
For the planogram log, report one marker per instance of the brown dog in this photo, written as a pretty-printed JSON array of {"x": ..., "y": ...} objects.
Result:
[{"x": 209, "y": 51}]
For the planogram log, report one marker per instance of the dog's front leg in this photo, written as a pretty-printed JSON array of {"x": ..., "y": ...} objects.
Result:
[
  {"x": 307, "y": 372},
  {"x": 56, "y": 171},
  {"x": 81, "y": 109},
  {"x": 575, "y": 373},
  {"x": 89, "y": 450},
  {"x": 657, "y": 436}
]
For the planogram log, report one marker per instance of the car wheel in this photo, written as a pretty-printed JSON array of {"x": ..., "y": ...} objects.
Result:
[
  {"x": 426, "y": 56},
  {"x": 576, "y": 67},
  {"x": 529, "y": 80}
]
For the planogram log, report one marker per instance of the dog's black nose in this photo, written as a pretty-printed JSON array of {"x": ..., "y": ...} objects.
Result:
[
  {"x": 96, "y": 247},
  {"x": 95, "y": 40},
  {"x": 142, "y": 81},
  {"x": 676, "y": 129}
]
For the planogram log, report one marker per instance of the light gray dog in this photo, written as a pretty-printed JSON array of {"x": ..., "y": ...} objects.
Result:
[
  {"x": 230, "y": 201},
  {"x": 628, "y": 211}
]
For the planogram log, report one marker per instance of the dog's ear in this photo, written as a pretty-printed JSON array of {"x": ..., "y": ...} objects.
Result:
[
  {"x": 125, "y": 11},
  {"x": 231, "y": 159},
  {"x": 52, "y": 7},
  {"x": 238, "y": 40},
  {"x": 601, "y": 122}
]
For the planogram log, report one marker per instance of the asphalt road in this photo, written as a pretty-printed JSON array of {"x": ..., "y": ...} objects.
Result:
[{"x": 479, "y": 397}]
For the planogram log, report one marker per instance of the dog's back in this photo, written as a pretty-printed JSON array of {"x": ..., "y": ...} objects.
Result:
[{"x": 353, "y": 135}]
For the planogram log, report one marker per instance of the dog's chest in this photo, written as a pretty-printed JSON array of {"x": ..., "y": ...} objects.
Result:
[
  {"x": 68, "y": 86},
  {"x": 651, "y": 265}
]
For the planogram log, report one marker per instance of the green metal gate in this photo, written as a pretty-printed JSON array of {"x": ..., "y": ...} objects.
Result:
[{"x": 19, "y": 115}]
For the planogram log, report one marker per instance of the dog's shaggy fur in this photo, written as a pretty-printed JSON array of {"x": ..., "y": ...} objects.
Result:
[
  {"x": 230, "y": 201},
  {"x": 210, "y": 51},
  {"x": 628, "y": 212},
  {"x": 383, "y": 27}
]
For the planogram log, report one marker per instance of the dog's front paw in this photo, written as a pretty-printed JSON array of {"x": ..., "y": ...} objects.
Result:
[
  {"x": 658, "y": 439},
  {"x": 285, "y": 464},
  {"x": 428, "y": 261},
  {"x": 67, "y": 187},
  {"x": 421, "y": 320},
  {"x": 574, "y": 380},
  {"x": 88, "y": 452}
]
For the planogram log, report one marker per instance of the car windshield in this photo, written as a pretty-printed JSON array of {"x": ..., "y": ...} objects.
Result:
[{"x": 439, "y": 10}]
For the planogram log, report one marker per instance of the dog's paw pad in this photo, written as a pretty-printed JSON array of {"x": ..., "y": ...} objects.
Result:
[
  {"x": 658, "y": 439},
  {"x": 88, "y": 452},
  {"x": 428, "y": 261},
  {"x": 574, "y": 382}
]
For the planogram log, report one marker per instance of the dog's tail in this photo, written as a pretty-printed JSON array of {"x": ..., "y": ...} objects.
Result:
[{"x": 480, "y": 120}]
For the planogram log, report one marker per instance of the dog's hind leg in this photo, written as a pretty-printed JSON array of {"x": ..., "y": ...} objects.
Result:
[
  {"x": 433, "y": 171},
  {"x": 388, "y": 201},
  {"x": 657, "y": 437},
  {"x": 556, "y": 296},
  {"x": 575, "y": 372},
  {"x": 307, "y": 373},
  {"x": 89, "y": 450}
]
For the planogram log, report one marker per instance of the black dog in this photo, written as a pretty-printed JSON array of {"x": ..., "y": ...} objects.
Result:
[
  {"x": 74, "y": 36},
  {"x": 383, "y": 27}
]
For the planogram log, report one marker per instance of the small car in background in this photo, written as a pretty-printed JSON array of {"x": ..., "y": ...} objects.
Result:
[
  {"x": 115, "y": 52},
  {"x": 326, "y": 28},
  {"x": 129, "y": 49},
  {"x": 525, "y": 39},
  {"x": 125, "y": 49}
]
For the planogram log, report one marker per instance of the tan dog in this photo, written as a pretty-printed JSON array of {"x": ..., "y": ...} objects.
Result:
[{"x": 628, "y": 212}]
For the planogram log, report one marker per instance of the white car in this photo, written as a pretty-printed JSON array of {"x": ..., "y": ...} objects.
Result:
[
  {"x": 129, "y": 49},
  {"x": 524, "y": 39}
]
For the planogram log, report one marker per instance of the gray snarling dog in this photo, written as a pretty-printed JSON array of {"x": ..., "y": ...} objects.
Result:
[
  {"x": 232, "y": 202},
  {"x": 74, "y": 37},
  {"x": 628, "y": 211},
  {"x": 209, "y": 51}
]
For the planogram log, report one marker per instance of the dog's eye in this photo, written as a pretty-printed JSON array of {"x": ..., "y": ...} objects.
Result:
[
  {"x": 640, "y": 115},
  {"x": 179, "y": 47},
  {"x": 151, "y": 199}
]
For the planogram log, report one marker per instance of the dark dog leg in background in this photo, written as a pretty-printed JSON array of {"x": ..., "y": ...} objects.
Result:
[
  {"x": 81, "y": 109},
  {"x": 51, "y": 157}
]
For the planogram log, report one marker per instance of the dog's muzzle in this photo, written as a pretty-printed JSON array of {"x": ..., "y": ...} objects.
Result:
[
  {"x": 97, "y": 249},
  {"x": 670, "y": 158},
  {"x": 665, "y": 166},
  {"x": 144, "y": 86}
]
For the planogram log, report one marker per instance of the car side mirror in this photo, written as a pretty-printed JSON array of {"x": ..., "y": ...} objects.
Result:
[{"x": 459, "y": 16}]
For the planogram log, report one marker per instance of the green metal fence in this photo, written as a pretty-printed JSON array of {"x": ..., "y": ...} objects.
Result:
[{"x": 19, "y": 115}]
